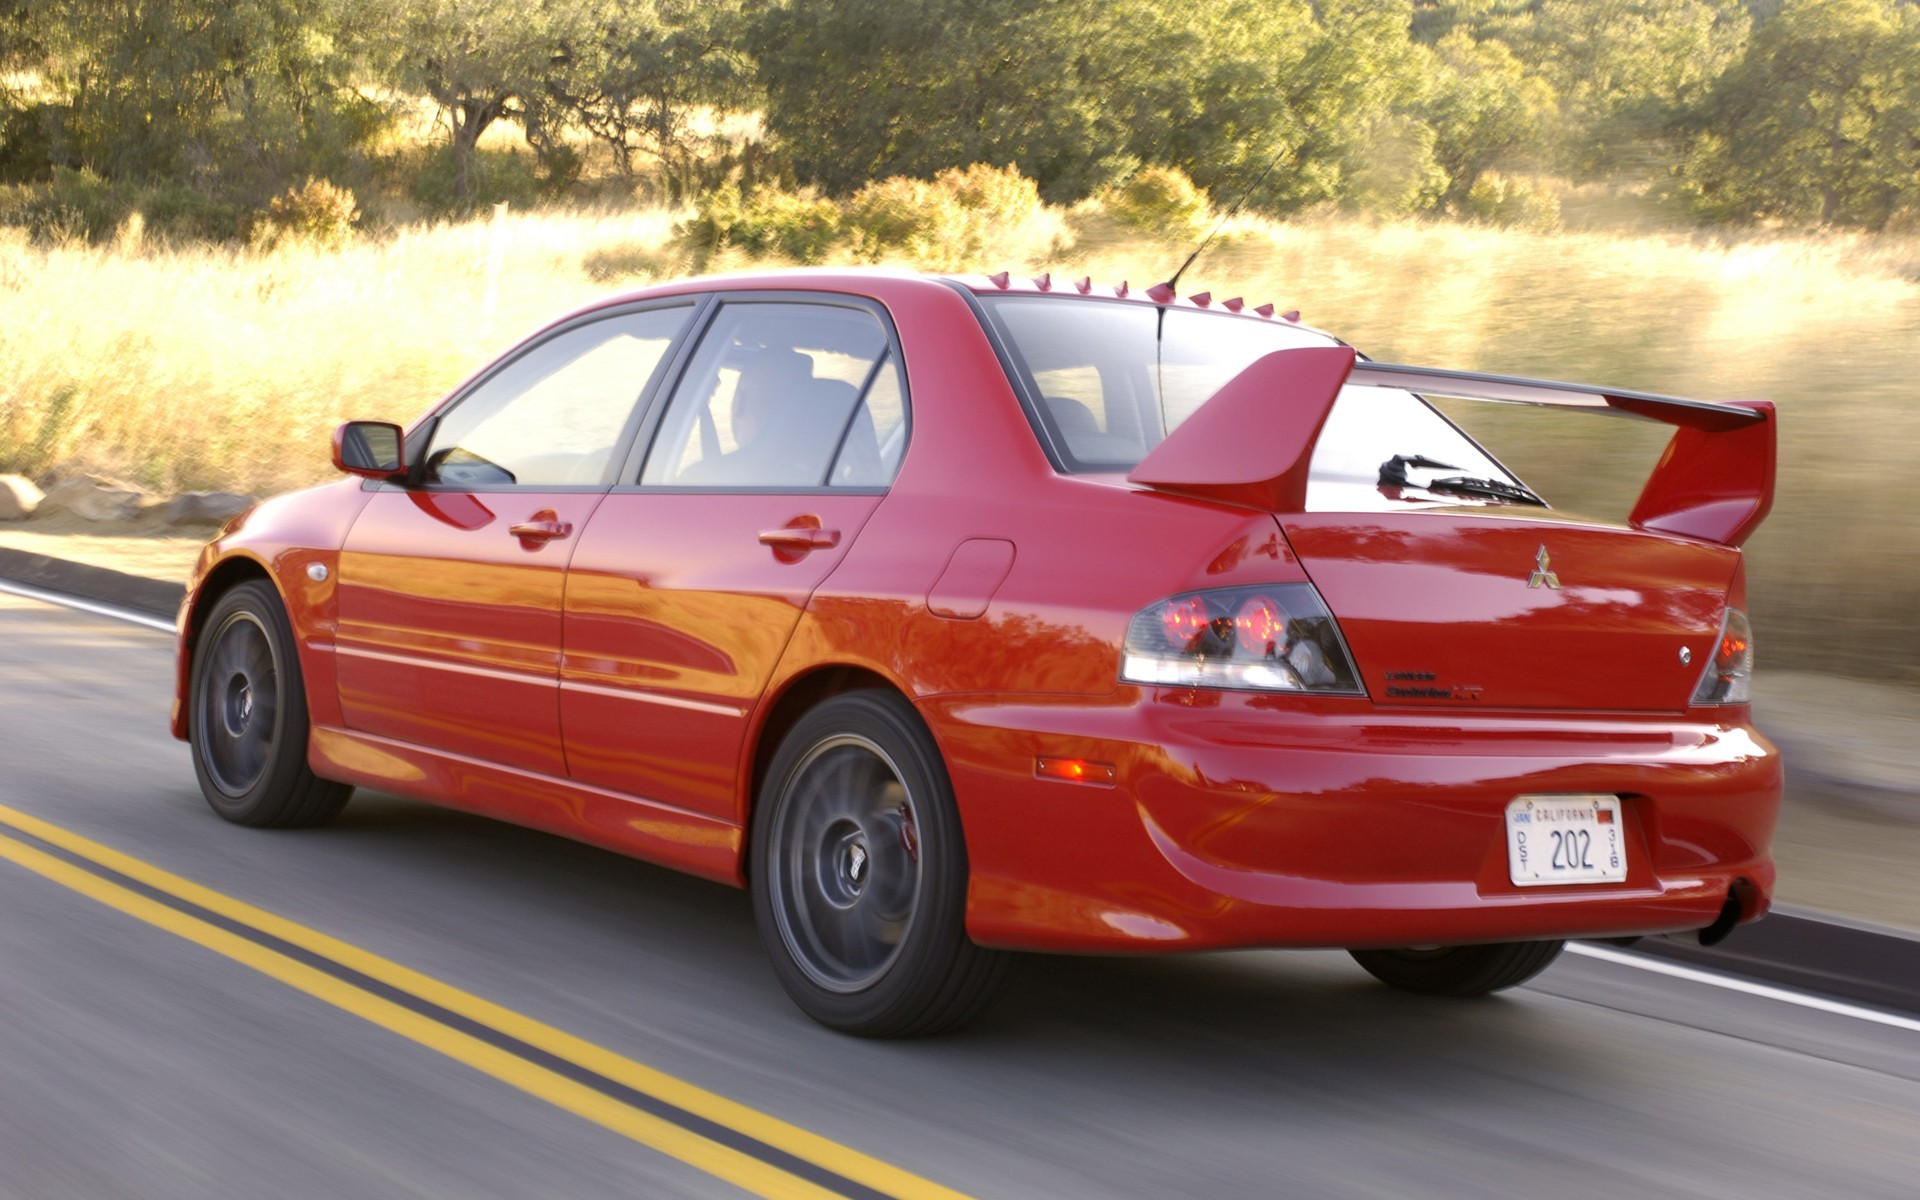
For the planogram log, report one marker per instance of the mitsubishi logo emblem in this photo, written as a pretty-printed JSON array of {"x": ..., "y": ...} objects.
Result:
[{"x": 1541, "y": 572}]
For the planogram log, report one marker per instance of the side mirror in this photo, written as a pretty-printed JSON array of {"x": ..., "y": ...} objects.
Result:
[{"x": 375, "y": 449}]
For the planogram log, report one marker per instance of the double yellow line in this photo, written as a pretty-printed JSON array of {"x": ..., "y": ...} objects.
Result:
[{"x": 757, "y": 1152}]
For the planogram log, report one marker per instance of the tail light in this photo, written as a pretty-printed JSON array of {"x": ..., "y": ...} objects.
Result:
[
  {"x": 1728, "y": 678},
  {"x": 1278, "y": 638}
]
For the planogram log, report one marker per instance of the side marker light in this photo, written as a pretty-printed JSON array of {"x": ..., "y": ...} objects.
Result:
[{"x": 1074, "y": 770}]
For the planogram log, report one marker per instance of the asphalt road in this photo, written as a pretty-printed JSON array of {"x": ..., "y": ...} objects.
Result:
[{"x": 157, "y": 1041}]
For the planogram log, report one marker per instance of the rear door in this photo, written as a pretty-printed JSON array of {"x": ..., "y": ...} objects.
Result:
[
  {"x": 779, "y": 441},
  {"x": 450, "y": 590}
]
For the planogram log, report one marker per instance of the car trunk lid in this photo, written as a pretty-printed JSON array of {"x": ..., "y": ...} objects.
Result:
[{"x": 1495, "y": 609}]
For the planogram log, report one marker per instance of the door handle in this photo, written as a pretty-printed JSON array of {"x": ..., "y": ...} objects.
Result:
[
  {"x": 800, "y": 538},
  {"x": 540, "y": 531}
]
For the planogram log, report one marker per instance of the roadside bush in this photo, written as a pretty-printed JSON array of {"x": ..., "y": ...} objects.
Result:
[
  {"x": 81, "y": 207},
  {"x": 40, "y": 431},
  {"x": 911, "y": 217},
  {"x": 181, "y": 214},
  {"x": 73, "y": 206},
  {"x": 640, "y": 261},
  {"x": 317, "y": 213},
  {"x": 802, "y": 226},
  {"x": 950, "y": 222},
  {"x": 27, "y": 149},
  {"x": 496, "y": 176},
  {"x": 1496, "y": 199},
  {"x": 999, "y": 196},
  {"x": 1160, "y": 202}
]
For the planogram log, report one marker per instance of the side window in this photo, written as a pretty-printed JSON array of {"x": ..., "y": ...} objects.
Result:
[
  {"x": 553, "y": 415},
  {"x": 877, "y": 438},
  {"x": 771, "y": 397},
  {"x": 1095, "y": 412}
]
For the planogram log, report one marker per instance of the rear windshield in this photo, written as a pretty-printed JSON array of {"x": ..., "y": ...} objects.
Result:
[{"x": 1107, "y": 380}]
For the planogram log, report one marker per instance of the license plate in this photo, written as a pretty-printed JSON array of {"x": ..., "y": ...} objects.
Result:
[{"x": 1565, "y": 839}]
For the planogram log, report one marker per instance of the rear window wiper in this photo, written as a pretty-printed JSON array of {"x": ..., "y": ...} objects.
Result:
[
  {"x": 1393, "y": 473},
  {"x": 1471, "y": 486}
]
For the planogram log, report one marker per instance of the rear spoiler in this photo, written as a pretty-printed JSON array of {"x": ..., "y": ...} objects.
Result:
[{"x": 1714, "y": 482}]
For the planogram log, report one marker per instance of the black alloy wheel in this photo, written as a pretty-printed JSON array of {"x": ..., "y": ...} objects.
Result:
[
  {"x": 1459, "y": 970},
  {"x": 247, "y": 716},
  {"x": 859, "y": 874}
]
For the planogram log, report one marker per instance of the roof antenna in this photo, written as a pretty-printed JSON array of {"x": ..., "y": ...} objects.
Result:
[
  {"x": 1160, "y": 313},
  {"x": 1230, "y": 214}
]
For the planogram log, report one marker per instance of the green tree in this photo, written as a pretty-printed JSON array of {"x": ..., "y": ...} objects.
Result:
[
  {"x": 1334, "y": 93},
  {"x": 17, "y": 52},
  {"x": 1479, "y": 19},
  {"x": 864, "y": 89},
  {"x": 18, "y": 46},
  {"x": 637, "y": 77},
  {"x": 1818, "y": 121},
  {"x": 485, "y": 61},
  {"x": 1487, "y": 111},
  {"x": 1625, "y": 68},
  {"x": 1619, "y": 71},
  {"x": 235, "y": 97},
  {"x": 1077, "y": 92},
  {"x": 1358, "y": 97}
]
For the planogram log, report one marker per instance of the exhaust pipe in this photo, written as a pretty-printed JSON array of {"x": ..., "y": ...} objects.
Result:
[{"x": 1722, "y": 925}]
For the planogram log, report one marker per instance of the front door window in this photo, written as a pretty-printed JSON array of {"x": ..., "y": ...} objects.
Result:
[{"x": 553, "y": 416}]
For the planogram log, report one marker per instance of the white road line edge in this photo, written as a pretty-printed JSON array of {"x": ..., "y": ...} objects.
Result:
[
  {"x": 92, "y": 606},
  {"x": 1746, "y": 987}
]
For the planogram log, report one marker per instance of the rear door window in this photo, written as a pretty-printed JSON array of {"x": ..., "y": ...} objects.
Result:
[{"x": 784, "y": 395}]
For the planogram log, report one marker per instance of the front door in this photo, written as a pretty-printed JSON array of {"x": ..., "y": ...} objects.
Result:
[{"x": 450, "y": 590}]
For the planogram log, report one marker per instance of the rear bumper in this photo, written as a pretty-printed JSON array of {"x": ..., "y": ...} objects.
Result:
[{"x": 1237, "y": 820}]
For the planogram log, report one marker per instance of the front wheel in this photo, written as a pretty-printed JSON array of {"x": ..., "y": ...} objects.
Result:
[
  {"x": 859, "y": 874},
  {"x": 1459, "y": 970},
  {"x": 247, "y": 716}
]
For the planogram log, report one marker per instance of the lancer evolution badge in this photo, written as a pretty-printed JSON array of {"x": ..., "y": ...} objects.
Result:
[{"x": 1540, "y": 572}]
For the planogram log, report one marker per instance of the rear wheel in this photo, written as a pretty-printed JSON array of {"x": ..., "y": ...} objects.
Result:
[
  {"x": 1459, "y": 970},
  {"x": 247, "y": 716},
  {"x": 860, "y": 874}
]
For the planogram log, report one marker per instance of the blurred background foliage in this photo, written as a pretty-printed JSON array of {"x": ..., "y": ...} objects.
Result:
[
  {"x": 226, "y": 225},
  {"x": 199, "y": 113}
]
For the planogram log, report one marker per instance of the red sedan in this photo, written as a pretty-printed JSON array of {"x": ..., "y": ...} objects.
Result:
[{"x": 961, "y": 616}]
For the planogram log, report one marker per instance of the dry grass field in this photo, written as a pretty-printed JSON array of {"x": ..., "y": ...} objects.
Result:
[{"x": 226, "y": 368}]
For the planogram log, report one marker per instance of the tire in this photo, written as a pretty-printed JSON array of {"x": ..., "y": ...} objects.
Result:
[
  {"x": 247, "y": 717},
  {"x": 859, "y": 874},
  {"x": 1459, "y": 970}
]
